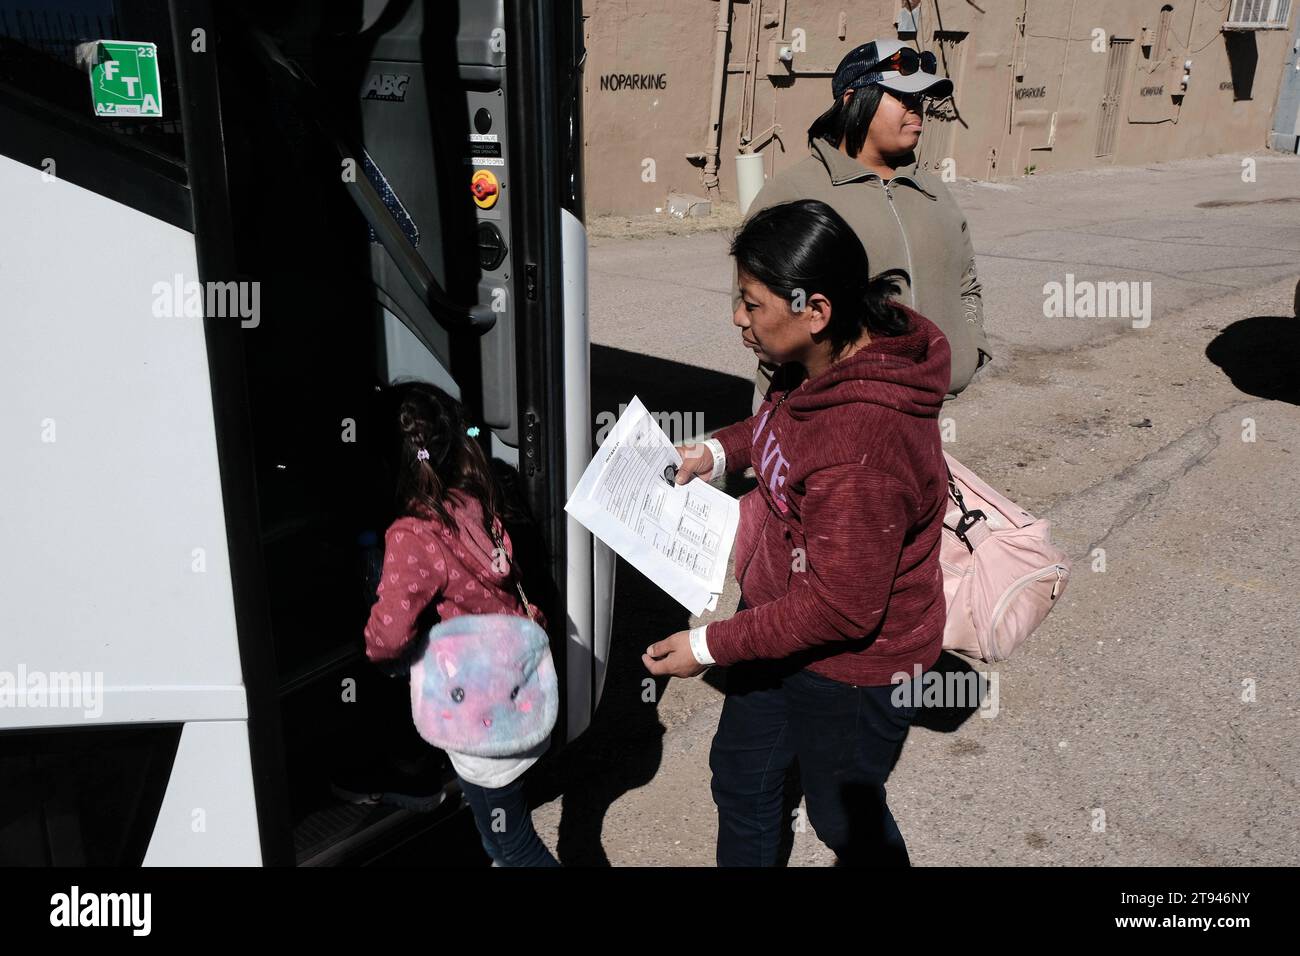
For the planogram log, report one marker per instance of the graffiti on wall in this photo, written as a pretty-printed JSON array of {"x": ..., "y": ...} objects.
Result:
[{"x": 633, "y": 81}]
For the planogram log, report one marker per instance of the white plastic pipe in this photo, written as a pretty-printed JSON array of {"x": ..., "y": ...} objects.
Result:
[{"x": 749, "y": 178}]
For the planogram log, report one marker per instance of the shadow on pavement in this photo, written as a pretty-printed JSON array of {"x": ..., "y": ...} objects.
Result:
[
  {"x": 960, "y": 681},
  {"x": 665, "y": 386},
  {"x": 1260, "y": 355},
  {"x": 622, "y": 750}
]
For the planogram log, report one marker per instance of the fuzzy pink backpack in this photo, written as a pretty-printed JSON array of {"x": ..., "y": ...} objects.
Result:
[{"x": 1001, "y": 572}]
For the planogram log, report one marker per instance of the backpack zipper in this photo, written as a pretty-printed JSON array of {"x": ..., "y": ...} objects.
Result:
[{"x": 1020, "y": 584}]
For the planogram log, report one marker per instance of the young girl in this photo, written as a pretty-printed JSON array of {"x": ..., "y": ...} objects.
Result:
[
  {"x": 449, "y": 554},
  {"x": 837, "y": 552}
]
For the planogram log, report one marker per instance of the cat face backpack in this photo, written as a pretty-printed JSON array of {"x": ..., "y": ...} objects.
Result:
[{"x": 485, "y": 686}]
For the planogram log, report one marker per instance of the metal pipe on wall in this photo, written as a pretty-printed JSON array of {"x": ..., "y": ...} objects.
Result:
[
  {"x": 714, "y": 144},
  {"x": 746, "y": 134}
]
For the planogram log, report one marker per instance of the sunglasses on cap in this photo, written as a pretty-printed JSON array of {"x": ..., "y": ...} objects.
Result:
[{"x": 906, "y": 62}]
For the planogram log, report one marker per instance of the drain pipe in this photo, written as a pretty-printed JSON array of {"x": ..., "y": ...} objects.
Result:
[
  {"x": 713, "y": 145},
  {"x": 1060, "y": 80}
]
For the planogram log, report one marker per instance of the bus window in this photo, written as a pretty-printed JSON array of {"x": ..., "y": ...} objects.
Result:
[{"x": 37, "y": 57}]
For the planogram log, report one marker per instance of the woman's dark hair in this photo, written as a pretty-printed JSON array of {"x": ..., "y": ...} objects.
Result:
[
  {"x": 804, "y": 247},
  {"x": 425, "y": 418},
  {"x": 848, "y": 123}
]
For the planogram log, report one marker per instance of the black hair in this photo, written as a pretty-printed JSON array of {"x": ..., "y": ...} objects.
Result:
[
  {"x": 425, "y": 418},
  {"x": 848, "y": 123},
  {"x": 805, "y": 247}
]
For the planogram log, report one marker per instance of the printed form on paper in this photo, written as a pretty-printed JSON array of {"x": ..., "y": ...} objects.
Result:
[{"x": 679, "y": 536}]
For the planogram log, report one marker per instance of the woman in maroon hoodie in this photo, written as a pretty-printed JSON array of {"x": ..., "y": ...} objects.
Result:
[{"x": 837, "y": 553}]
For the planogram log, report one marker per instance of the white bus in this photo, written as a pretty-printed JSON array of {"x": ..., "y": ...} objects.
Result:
[{"x": 197, "y": 311}]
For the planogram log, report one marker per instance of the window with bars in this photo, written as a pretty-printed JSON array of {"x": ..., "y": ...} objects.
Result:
[{"x": 1258, "y": 15}]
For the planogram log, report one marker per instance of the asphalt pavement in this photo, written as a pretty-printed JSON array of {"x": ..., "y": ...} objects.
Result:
[{"x": 1152, "y": 720}]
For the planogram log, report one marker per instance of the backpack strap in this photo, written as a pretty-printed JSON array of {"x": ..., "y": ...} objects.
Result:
[{"x": 973, "y": 528}]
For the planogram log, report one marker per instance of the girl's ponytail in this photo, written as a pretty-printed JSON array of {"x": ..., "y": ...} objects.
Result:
[{"x": 438, "y": 453}]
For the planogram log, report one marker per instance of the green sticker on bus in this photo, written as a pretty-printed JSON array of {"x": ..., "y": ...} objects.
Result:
[{"x": 124, "y": 80}]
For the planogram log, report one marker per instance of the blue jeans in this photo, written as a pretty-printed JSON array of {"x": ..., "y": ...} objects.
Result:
[
  {"x": 508, "y": 836},
  {"x": 846, "y": 740}
]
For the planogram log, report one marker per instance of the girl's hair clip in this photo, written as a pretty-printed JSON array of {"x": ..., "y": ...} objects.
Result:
[
  {"x": 472, "y": 431},
  {"x": 422, "y": 454}
]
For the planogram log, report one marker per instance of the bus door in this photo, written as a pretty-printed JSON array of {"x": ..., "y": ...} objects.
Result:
[
  {"x": 401, "y": 172},
  {"x": 333, "y": 165}
]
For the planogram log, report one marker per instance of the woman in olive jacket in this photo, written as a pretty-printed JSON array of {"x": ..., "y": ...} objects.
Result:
[{"x": 864, "y": 167}]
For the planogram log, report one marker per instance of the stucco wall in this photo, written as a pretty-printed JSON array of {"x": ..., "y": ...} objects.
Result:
[{"x": 1024, "y": 97}]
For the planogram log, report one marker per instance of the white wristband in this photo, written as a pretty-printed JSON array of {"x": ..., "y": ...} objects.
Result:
[
  {"x": 719, "y": 458},
  {"x": 700, "y": 646}
]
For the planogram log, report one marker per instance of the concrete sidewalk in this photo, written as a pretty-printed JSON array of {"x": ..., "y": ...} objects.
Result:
[{"x": 1127, "y": 707}]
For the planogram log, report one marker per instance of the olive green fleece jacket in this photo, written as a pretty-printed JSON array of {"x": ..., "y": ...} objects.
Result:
[{"x": 910, "y": 223}]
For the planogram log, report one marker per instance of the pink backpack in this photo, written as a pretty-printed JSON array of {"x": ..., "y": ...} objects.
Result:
[{"x": 1001, "y": 572}]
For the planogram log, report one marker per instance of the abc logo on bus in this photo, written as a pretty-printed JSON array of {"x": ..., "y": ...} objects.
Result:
[{"x": 386, "y": 86}]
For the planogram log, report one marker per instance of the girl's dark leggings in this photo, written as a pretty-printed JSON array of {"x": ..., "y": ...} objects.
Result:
[{"x": 505, "y": 824}]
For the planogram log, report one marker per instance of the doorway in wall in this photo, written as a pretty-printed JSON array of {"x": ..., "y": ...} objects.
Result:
[
  {"x": 1108, "y": 118},
  {"x": 1286, "y": 117},
  {"x": 942, "y": 116}
]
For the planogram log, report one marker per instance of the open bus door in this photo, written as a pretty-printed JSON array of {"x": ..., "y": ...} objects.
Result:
[{"x": 394, "y": 190}]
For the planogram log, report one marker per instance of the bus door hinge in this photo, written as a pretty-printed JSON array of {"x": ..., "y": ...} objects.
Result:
[{"x": 532, "y": 460}]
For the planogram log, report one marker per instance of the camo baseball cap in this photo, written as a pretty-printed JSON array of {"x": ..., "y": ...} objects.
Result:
[{"x": 862, "y": 66}]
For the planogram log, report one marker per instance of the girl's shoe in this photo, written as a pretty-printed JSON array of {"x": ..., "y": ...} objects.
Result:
[{"x": 422, "y": 792}]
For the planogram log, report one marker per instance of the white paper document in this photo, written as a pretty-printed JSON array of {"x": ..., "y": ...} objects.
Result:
[{"x": 679, "y": 536}]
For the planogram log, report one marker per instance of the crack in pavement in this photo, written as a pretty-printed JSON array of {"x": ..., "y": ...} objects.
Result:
[
  {"x": 1139, "y": 484},
  {"x": 1169, "y": 240},
  {"x": 1122, "y": 267},
  {"x": 1259, "y": 760}
]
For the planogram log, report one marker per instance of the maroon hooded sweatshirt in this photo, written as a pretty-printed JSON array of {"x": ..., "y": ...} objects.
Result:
[{"x": 837, "y": 552}]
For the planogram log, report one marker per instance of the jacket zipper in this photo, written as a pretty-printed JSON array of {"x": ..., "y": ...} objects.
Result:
[
  {"x": 767, "y": 510},
  {"x": 758, "y": 538},
  {"x": 907, "y": 248}
]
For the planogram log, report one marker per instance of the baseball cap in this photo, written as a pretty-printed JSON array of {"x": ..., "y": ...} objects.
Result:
[{"x": 861, "y": 67}]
